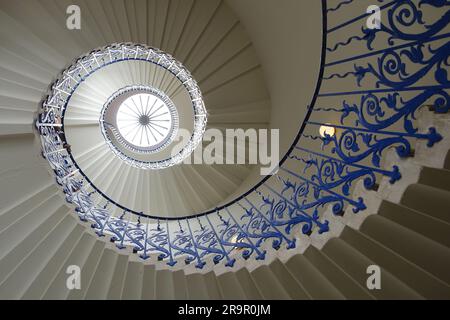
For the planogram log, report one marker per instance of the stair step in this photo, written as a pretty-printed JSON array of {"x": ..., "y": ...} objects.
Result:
[
  {"x": 196, "y": 287},
  {"x": 212, "y": 286},
  {"x": 315, "y": 283},
  {"x": 447, "y": 161},
  {"x": 165, "y": 289},
  {"x": 411, "y": 275},
  {"x": 268, "y": 284},
  {"x": 428, "y": 226},
  {"x": 180, "y": 287},
  {"x": 99, "y": 286},
  {"x": 248, "y": 284},
  {"x": 10, "y": 215},
  {"x": 437, "y": 178},
  {"x": 289, "y": 283},
  {"x": 432, "y": 201},
  {"x": 32, "y": 240},
  {"x": 132, "y": 289},
  {"x": 57, "y": 288},
  {"x": 149, "y": 283},
  {"x": 52, "y": 265},
  {"x": 355, "y": 264},
  {"x": 230, "y": 287},
  {"x": 118, "y": 279},
  {"x": 348, "y": 286},
  {"x": 17, "y": 232},
  {"x": 36, "y": 261},
  {"x": 425, "y": 253},
  {"x": 88, "y": 270}
]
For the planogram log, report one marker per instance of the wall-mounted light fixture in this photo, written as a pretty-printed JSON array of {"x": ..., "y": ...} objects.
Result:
[{"x": 327, "y": 130}]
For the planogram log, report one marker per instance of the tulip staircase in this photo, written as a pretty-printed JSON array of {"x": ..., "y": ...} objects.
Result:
[{"x": 88, "y": 117}]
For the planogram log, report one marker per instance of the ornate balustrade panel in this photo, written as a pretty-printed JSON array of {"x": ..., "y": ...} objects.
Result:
[{"x": 373, "y": 82}]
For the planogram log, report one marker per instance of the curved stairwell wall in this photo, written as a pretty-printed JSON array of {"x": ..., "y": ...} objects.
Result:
[
  {"x": 376, "y": 193},
  {"x": 290, "y": 61}
]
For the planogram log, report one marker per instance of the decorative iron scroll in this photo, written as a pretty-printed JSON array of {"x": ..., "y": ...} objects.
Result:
[{"x": 398, "y": 74}]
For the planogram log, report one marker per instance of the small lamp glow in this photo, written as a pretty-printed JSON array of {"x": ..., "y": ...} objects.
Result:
[
  {"x": 234, "y": 239},
  {"x": 327, "y": 130}
]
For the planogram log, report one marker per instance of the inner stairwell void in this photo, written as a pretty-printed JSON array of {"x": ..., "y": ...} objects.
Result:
[{"x": 364, "y": 174}]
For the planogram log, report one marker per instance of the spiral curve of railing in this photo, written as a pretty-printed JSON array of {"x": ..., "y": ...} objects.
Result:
[{"x": 399, "y": 68}]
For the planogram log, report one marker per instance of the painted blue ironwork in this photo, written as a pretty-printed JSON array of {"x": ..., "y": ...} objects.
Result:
[{"x": 399, "y": 72}]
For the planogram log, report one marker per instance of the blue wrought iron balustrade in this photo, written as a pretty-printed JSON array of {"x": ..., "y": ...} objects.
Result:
[{"x": 398, "y": 69}]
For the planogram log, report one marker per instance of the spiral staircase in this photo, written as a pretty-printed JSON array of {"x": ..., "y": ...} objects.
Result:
[{"x": 375, "y": 192}]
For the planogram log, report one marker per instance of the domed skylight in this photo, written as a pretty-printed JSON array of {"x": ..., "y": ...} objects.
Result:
[{"x": 144, "y": 120}]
